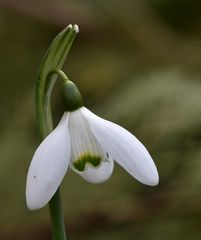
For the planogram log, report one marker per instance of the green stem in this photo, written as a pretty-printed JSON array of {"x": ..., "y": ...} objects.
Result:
[
  {"x": 62, "y": 75},
  {"x": 58, "y": 227},
  {"x": 47, "y": 75},
  {"x": 55, "y": 208}
]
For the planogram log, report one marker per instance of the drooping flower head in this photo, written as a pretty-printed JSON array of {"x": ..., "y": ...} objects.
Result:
[{"x": 88, "y": 145}]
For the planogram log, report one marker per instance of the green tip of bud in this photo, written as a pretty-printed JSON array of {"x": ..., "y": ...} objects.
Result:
[{"x": 71, "y": 97}]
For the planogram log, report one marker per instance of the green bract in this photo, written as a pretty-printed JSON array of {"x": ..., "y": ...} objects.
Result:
[{"x": 46, "y": 77}]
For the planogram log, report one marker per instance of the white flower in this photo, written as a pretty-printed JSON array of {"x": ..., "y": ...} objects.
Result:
[{"x": 89, "y": 145}]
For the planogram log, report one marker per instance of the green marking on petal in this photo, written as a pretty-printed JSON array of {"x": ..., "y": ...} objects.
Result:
[{"x": 82, "y": 161}]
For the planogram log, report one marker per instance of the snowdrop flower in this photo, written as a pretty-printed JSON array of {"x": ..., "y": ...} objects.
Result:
[{"x": 87, "y": 144}]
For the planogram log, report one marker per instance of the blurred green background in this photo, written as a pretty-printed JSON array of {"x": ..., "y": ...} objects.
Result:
[{"x": 137, "y": 63}]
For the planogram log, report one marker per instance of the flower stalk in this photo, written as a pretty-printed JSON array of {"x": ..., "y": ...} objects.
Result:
[
  {"x": 46, "y": 77},
  {"x": 58, "y": 226}
]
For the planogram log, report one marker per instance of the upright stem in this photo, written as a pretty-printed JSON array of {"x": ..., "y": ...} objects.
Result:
[
  {"x": 58, "y": 226},
  {"x": 47, "y": 74},
  {"x": 55, "y": 208}
]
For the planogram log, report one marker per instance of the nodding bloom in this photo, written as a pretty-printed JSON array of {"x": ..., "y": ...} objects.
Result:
[{"x": 88, "y": 145}]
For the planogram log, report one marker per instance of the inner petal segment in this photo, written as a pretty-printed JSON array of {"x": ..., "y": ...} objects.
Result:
[{"x": 85, "y": 150}]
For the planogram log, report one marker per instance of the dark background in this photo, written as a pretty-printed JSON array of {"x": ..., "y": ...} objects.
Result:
[{"x": 137, "y": 63}]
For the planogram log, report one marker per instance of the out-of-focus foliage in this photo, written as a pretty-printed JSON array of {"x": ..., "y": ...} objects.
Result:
[{"x": 137, "y": 63}]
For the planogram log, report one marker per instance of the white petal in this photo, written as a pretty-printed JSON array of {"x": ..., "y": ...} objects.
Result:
[
  {"x": 48, "y": 166},
  {"x": 125, "y": 148},
  {"x": 87, "y": 155},
  {"x": 99, "y": 174}
]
